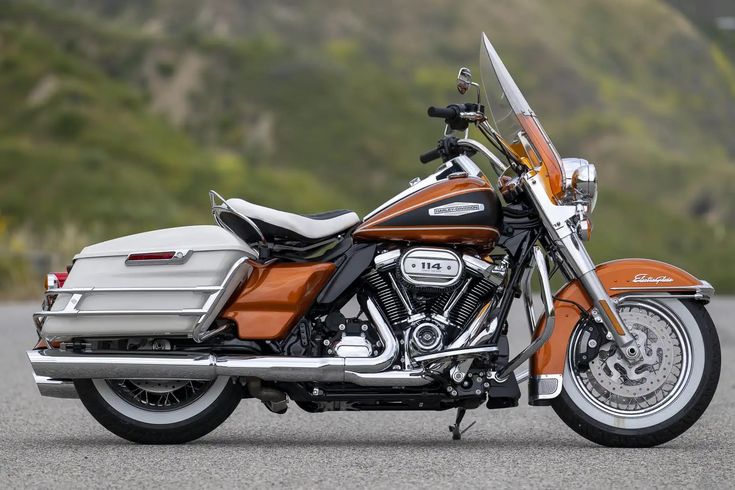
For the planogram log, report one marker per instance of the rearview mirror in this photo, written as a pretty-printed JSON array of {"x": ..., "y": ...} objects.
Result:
[{"x": 464, "y": 80}]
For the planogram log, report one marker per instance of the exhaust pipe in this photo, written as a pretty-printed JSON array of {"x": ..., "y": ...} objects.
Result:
[
  {"x": 364, "y": 371},
  {"x": 56, "y": 388}
]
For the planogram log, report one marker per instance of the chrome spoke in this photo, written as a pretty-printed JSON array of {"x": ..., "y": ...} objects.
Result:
[{"x": 159, "y": 395}]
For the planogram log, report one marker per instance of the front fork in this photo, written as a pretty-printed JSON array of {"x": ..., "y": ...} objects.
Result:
[
  {"x": 575, "y": 259},
  {"x": 605, "y": 311}
]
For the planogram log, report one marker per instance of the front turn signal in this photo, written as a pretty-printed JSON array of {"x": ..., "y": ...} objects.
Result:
[{"x": 584, "y": 229}]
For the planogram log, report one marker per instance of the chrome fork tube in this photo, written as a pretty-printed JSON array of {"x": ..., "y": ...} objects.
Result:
[
  {"x": 556, "y": 221},
  {"x": 604, "y": 309}
]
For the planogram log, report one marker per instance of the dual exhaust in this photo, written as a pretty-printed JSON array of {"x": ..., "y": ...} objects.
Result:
[
  {"x": 59, "y": 365},
  {"x": 54, "y": 369}
]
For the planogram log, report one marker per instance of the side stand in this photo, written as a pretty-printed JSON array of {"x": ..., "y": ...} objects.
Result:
[{"x": 455, "y": 429}]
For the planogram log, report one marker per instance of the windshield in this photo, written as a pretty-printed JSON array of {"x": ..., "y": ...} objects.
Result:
[{"x": 509, "y": 113}]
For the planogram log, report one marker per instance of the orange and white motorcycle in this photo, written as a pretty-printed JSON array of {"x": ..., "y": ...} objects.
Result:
[{"x": 161, "y": 334}]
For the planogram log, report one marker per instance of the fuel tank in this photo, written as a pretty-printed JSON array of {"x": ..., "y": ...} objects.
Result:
[{"x": 461, "y": 211}]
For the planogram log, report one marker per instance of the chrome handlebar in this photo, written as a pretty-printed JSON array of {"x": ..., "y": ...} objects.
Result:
[
  {"x": 479, "y": 119},
  {"x": 458, "y": 117},
  {"x": 498, "y": 166}
]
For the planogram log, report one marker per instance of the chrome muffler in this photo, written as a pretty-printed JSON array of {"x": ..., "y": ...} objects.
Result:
[
  {"x": 62, "y": 366},
  {"x": 56, "y": 388}
]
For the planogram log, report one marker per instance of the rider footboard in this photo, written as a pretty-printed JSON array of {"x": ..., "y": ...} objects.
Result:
[{"x": 162, "y": 283}]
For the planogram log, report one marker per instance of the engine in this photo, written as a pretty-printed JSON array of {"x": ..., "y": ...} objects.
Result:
[{"x": 430, "y": 294}]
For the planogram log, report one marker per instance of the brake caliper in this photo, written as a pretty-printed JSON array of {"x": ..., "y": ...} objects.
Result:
[{"x": 588, "y": 345}]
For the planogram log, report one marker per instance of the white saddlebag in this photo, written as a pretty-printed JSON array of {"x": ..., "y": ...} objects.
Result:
[{"x": 130, "y": 286}]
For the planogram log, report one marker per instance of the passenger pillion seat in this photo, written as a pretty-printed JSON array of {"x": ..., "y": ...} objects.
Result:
[{"x": 279, "y": 229}]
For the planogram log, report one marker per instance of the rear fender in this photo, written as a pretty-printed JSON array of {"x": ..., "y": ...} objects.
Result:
[{"x": 620, "y": 278}]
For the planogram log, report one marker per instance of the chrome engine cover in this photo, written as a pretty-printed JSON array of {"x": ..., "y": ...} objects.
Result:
[
  {"x": 353, "y": 346},
  {"x": 431, "y": 267},
  {"x": 430, "y": 294},
  {"x": 426, "y": 337}
]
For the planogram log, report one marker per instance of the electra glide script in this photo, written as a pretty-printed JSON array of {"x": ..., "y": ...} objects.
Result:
[{"x": 161, "y": 334}]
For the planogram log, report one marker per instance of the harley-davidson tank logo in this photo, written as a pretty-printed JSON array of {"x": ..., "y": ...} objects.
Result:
[
  {"x": 650, "y": 279},
  {"x": 457, "y": 209}
]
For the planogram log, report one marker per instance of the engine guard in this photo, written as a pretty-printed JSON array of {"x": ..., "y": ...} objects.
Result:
[{"x": 620, "y": 278}]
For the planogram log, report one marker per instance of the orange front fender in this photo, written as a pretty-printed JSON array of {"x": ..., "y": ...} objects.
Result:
[{"x": 622, "y": 276}]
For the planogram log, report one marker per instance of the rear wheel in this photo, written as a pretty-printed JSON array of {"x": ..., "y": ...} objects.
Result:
[
  {"x": 656, "y": 399},
  {"x": 159, "y": 411}
]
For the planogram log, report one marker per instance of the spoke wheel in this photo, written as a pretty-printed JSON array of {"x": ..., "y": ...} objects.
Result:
[
  {"x": 159, "y": 394},
  {"x": 160, "y": 411}
]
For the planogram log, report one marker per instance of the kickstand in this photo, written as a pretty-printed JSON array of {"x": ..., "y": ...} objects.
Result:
[{"x": 454, "y": 429}]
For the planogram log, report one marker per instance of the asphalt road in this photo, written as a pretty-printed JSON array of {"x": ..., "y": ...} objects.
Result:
[{"x": 46, "y": 442}]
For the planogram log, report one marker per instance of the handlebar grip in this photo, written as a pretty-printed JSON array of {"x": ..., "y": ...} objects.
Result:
[
  {"x": 443, "y": 112},
  {"x": 430, "y": 156}
]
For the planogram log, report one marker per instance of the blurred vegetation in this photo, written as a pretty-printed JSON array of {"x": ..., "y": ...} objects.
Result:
[{"x": 117, "y": 117}]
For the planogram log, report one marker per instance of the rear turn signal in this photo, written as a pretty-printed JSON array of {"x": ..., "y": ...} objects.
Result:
[{"x": 55, "y": 280}]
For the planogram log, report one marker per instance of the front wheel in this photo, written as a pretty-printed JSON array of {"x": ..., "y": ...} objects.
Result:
[
  {"x": 651, "y": 402},
  {"x": 159, "y": 411}
]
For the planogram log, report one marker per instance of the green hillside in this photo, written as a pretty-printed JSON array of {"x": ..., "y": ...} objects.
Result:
[{"x": 119, "y": 116}]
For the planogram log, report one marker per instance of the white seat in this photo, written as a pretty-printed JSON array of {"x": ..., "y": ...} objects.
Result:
[{"x": 280, "y": 224}]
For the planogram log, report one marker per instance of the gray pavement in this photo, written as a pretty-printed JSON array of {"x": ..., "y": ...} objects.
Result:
[{"x": 47, "y": 442}]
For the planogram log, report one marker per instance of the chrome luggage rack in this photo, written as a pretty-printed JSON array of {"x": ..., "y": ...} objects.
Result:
[{"x": 217, "y": 297}]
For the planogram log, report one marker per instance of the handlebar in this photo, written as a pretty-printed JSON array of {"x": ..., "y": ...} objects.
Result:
[
  {"x": 449, "y": 112},
  {"x": 430, "y": 156},
  {"x": 446, "y": 149},
  {"x": 449, "y": 147},
  {"x": 498, "y": 166},
  {"x": 454, "y": 115},
  {"x": 458, "y": 117}
]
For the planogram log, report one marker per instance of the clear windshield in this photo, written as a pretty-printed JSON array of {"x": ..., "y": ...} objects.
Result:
[
  {"x": 509, "y": 113},
  {"x": 498, "y": 109}
]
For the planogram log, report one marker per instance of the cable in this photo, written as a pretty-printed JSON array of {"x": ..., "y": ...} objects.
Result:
[{"x": 581, "y": 309}]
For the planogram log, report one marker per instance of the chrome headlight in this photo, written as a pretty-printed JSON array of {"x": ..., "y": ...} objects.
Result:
[
  {"x": 584, "y": 183},
  {"x": 580, "y": 180}
]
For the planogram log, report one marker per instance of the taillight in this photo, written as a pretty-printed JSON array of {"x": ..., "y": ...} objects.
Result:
[
  {"x": 151, "y": 256},
  {"x": 56, "y": 280},
  {"x": 167, "y": 257}
]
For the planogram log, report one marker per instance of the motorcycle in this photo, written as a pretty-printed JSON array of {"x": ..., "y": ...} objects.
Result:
[{"x": 161, "y": 334}]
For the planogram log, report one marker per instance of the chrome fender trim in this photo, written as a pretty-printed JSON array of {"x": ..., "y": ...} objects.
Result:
[{"x": 544, "y": 388}]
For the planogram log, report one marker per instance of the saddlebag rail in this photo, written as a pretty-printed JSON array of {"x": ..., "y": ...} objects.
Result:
[{"x": 109, "y": 295}]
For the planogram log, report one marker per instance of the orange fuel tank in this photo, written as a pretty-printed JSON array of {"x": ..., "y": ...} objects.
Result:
[
  {"x": 274, "y": 297},
  {"x": 457, "y": 211}
]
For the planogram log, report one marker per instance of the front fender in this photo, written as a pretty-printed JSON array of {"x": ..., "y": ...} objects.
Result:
[{"x": 619, "y": 277}]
